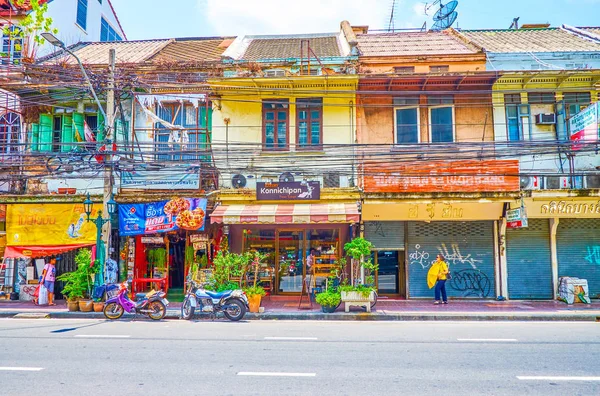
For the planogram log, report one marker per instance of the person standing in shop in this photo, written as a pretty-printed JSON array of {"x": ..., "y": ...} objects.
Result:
[{"x": 48, "y": 279}]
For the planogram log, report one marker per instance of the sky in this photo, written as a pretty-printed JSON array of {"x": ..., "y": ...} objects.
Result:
[{"x": 147, "y": 19}]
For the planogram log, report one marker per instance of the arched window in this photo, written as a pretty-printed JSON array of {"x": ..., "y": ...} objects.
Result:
[{"x": 10, "y": 128}]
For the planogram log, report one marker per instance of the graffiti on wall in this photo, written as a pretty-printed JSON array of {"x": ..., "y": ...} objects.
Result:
[
  {"x": 471, "y": 283},
  {"x": 454, "y": 256},
  {"x": 593, "y": 255},
  {"x": 420, "y": 257}
]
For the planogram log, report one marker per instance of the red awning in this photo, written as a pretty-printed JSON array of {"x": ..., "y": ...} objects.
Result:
[
  {"x": 286, "y": 214},
  {"x": 40, "y": 251}
]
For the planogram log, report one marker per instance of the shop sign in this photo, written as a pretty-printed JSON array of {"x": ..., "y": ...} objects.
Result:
[
  {"x": 288, "y": 191},
  {"x": 563, "y": 208},
  {"x": 435, "y": 211},
  {"x": 516, "y": 218},
  {"x": 441, "y": 176},
  {"x": 199, "y": 245},
  {"x": 199, "y": 238},
  {"x": 153, "y": 240},
  {"x": 160, "y": 180},
  {"x": 163, "y": 216},
  {"x": 2, "y": 213},
  {"x": 584, "y": 126},
  {"x": 49, "y": 225}
]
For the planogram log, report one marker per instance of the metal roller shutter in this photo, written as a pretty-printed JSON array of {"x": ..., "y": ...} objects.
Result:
[
  {"x": 529, "y": 261},
  {"x": 578, "y": 245},
  {"x": 385, "y": 234},
  {"x": 469, "y": 251}
]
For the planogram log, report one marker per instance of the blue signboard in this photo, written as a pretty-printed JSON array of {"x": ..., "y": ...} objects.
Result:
[{"x": 164, "y": 216}]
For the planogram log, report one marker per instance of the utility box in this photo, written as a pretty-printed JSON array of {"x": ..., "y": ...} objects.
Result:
[{"x": 573, "y": 290}]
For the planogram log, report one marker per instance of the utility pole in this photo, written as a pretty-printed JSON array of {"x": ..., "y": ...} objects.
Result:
[{"x": 108, "y": 142}]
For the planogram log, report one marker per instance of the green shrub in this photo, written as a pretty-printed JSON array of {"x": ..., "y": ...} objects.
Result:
[{"x": 328, "y": 299}]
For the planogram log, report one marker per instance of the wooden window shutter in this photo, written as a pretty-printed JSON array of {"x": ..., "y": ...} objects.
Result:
[
  {"x": 67, "y": 135},
  {"x": 35, "y": 137},
  {"x": 45, "y": 132}
]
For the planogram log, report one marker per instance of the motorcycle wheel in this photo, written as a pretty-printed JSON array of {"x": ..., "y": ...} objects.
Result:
[
  {"x": 113, "y": 311},
  {"x": 235, "y": 311},
  {"x": 159, "y": 311},
  {"x": 187, "y": 311}
]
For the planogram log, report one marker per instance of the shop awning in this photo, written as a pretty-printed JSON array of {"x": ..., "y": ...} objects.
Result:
[
  {"x": 39, "y": 251},
  {"x": 286, "y": 214}
]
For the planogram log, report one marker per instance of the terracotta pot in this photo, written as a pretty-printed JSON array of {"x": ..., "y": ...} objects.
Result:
[
  {"x": 254, "y": 303},
  {"x": 98, "y": 306},
  {"x": 73, "y": 305},
  {"x": 86, "y": 305}
]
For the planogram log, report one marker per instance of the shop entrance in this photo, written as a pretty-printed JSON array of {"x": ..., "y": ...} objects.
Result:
[
  {"x": 176, "y": 262},
  {"x": 291, "y": 261},
  {"x": 390, "y": 274}
]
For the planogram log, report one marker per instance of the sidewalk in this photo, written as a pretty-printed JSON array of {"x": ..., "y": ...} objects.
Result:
[{"x": 386, "y": 310}]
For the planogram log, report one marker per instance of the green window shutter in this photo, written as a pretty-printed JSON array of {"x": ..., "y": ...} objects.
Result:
[
  {"x": 67, "y": 136},
  {"x": 35, "y": 136},
  {"x": 78, "y": 127},
  {"x": 45, "y": 132},
  {"x": 100, "y": 134}
]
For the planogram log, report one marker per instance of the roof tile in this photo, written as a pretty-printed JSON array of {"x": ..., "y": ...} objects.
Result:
[
  {"x": 193, "y": 49},
  {"x": 411, "y": 43},
  {"x": 262, "y": 48},
  {"x": 97, "y": 53}
]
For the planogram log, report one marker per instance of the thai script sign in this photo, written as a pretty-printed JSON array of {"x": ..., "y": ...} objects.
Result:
[
  {"x": 441, "y": 176},
  {"x": 584, "y": 126},
  {"x": 160, "y": 180},
  {"x": 436, "y": 211},
  {"x": 292, "y": 191},
  {"x": 49, "y": 225},
  {"x": 516, "y": 218},
  {"x": 163, "y": 216},
  {"x": 567, "y": 208}
]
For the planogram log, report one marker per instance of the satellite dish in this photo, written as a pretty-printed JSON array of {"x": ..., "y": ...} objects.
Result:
[
  {"x": 445, "y": 22},
  {"x": 238, "y": 181},
  {"x": 445, "y": 10},
  {"x": 286, "y": 177}
]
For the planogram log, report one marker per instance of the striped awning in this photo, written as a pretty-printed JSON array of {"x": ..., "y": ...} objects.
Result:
[{"x": 286, "y": 214}]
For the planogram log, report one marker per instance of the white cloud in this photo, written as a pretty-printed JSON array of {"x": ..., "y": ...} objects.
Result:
[{"x": 237, "y": 17}]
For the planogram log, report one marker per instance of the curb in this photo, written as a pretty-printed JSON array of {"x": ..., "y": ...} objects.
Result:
[{"x": 341, "y": 316}]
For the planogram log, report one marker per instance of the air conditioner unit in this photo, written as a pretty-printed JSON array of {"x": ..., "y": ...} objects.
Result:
[
  {"x": 531, "y": 182},
  {"x": 545, "y": 119},
  {"x": 331, "y": 180},
  {"x": 275, "y": 73},
  {"x": 286, "y": 177},
  {"x": 556, "y": 182},
  {"x": 242, "y": 181},
  {"x": 592, "y": 181}
]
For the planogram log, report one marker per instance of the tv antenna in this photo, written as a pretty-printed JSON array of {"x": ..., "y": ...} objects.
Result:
[
  {"x": 391, "y": 24},
  {"x": 445, "y": 16}
]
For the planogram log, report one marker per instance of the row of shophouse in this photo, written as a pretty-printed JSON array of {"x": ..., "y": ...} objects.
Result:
[{"x": 422, "y": 142}]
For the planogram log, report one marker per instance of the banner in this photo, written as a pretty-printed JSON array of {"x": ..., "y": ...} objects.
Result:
[
  {"x": 584, "y": 126},
  {"x": 164, "y": 216},
  {"x": 161, "y": 180},
  {"x": 288, "y": 191},
  {"x": 49, "y": 225}
]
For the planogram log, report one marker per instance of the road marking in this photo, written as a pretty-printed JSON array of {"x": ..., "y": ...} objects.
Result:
[
  {"x": 267, "y": 374},
  {"x": 101, "y": 336},
  {"x": 21, "y": 368},
  {"x": 291, "y": 338},
  {"x": 556, "y": 378},
  {"x": 487, "y": 339}
]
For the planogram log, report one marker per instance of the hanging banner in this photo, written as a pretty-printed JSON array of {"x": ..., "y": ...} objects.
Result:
[
  {"x": 49, "y": 225},
  {"x": 516, "y": 218},
  {"x": 161, "y": 180},
  {"x": 164, "y": 216},
  {"x": 584, "y": 126}
]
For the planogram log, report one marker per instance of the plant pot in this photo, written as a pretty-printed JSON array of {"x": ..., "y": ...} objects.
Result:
[
  {"x": 98, "y": 306},
  {"x": 356, "y": 296},
  {"x": 254, "y": 303},
  {"x": 328, "y": 309},
  {"x": 86, "y": 305},
  {"x": 73, "y": 305}
]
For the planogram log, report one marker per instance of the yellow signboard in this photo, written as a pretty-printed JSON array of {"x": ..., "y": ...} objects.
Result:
[
  {"x": 434, "y": 211},
  {"x": 48, "y": 225},
  {"x": 573, "y": 208}
]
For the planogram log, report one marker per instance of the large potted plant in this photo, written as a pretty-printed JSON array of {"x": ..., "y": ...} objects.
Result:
[
  {"x": 79, "y": 283},
  {"x": 255, "y": 293},
  {"x": 329, "y": 300},
  {"x": 361, "y": 290}
]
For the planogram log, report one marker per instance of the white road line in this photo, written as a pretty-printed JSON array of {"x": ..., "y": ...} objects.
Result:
[
  {"x": 21, "y": 368},
  {"x": 101, "y": 336},
  {"x": 487, "y": 339},
  {"x": 267, "y": 374},
  {"x": 291, "y": 338},
  {"x": 556, "y": 378}
]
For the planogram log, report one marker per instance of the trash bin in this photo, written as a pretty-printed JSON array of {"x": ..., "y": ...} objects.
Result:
[{"x": 573, "y": 290}]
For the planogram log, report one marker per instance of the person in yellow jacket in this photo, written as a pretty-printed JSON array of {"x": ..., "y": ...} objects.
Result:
[{"x": 436, "y": 277}]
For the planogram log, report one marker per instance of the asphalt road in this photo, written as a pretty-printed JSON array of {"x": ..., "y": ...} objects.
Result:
[{"x": 94, "y": 357}]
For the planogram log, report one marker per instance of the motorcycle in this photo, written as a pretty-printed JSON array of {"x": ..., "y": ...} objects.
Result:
[
  {"x": 153, "y": 304},
  {"x": 233, "y": 303}
]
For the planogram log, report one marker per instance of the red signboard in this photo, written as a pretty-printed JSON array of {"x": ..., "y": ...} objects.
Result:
[{"x": 441, "y": 176}]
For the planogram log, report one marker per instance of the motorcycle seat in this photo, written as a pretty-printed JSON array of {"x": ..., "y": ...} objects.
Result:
[
  {"x": 140, "y": 296},
  {"x": 219, "y": 294}
]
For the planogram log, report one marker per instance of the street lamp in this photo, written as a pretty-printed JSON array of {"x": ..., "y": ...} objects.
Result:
[
  {"x": 99, "y": 221},
  {"x": 52, "y": 39}
]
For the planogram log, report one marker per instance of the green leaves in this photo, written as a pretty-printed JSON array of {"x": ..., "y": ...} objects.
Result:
[
  {"x": 358, "y": 247},
  {"x": 329, "y": 299},
  {"x": 78, "y": 284}
]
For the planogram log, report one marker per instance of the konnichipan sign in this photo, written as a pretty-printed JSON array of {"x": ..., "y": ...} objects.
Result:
[{"x": 288, "y": 191}]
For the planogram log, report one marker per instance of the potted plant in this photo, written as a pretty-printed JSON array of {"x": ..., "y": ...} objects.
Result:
[
  {"x": 328, "y": 300},
  {"x": 255, "y": 293},
  {"x": 98, "y": 305},
  {"x": 361, "y": 291},
  {"x": 78, "y": 284}
]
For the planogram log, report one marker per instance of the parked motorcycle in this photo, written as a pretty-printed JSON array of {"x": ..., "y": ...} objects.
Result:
[
  {"x": 153, "y": 304},
  {"x": 233, "y": 303}
]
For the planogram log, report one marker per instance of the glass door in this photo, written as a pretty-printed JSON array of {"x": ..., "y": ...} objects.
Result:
[
  {"x": 290, "y": 260},
  {"x": 387, "y": 274}
]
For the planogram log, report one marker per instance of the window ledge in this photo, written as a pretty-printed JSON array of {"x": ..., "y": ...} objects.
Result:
[{"x": 81, "y": 28}]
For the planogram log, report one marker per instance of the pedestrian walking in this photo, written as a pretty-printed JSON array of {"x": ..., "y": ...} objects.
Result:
[
  {"x": 48, "y": 279},
  {"x": 436, "y": 277}
]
